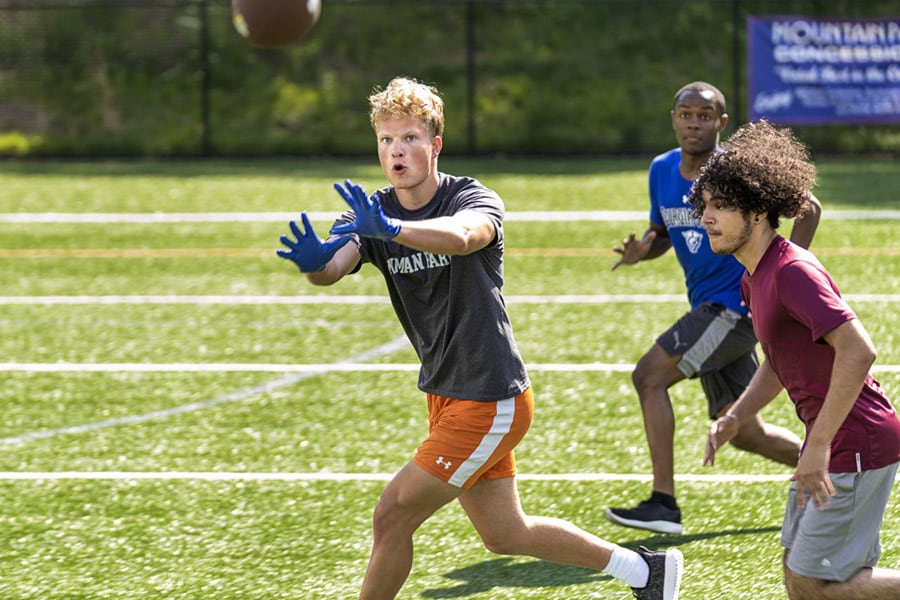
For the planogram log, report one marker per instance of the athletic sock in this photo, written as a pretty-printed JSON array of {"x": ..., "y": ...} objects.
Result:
[
  {"x": 666, "y": 500},
  {"x": 628, "y": 566}
]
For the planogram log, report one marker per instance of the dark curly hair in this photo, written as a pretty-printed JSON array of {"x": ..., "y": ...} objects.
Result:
[{"x": 763, "y": 168}]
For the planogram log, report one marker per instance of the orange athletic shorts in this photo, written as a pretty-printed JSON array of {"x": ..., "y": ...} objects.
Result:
[{"x": 469, "y": 441}]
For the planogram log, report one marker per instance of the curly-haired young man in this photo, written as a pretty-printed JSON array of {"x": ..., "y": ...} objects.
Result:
[{"x": 815, "y": 349}]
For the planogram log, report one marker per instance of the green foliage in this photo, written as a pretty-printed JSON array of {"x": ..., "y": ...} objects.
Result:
[
  {"x": 540, "y": 77},
  {"x": 16, "y": 144}
]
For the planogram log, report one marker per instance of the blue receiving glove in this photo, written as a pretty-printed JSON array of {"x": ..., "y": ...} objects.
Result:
[
  {"x": 309, "y": 252},
  {"x": 370, "y": 218}
]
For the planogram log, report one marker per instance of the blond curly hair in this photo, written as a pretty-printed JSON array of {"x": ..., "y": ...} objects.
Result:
[{"x": 405, "y": 97}]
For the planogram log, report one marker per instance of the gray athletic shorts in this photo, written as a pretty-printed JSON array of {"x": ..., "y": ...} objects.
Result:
[
  {"x": 717, "y": 345},
  {"x": 834, "y": 543}
]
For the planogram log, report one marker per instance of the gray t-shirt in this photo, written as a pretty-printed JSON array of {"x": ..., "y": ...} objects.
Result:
[{"x": 451, "y": 307}]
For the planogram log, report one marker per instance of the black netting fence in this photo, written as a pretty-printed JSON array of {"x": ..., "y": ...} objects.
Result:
[{"x": 167, "y": 77}]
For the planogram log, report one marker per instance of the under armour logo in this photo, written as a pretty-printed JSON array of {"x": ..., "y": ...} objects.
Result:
[{"x": 446, "y": 463}]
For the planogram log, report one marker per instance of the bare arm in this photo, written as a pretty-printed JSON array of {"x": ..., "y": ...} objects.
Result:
[
  {"x": 761, "y": 390},
  {"x": 853, "y": 356},
  {"x": 463, "y": 233},
  {"x": 344, "y": 261},
  {"x": 805, "y": 225},
  {"x": 654, "y": 243}
]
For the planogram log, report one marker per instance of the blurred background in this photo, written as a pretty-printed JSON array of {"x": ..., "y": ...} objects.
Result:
[{"x": 166, "y": 78}]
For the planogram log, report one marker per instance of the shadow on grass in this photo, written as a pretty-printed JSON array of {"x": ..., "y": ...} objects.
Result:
[
  {"x": 669, "y": 541},
  {"x": 504, "y": 572}
]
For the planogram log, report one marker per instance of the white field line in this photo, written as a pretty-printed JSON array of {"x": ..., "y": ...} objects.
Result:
[
  {"x": 313, "y": 369},
  {"x": 295, "y": 373},
  {"x": 306, "y": 369},
  {"x": 322, "y": 299},
  {"x": 284, "y": 217},
  {"x": 354, "y": 477},
  {"x": 236, "y": 396},
  {"x": 261, "y": 217}
]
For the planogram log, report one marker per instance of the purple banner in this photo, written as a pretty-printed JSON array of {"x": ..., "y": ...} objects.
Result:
[{"x": 810, "y": 71}]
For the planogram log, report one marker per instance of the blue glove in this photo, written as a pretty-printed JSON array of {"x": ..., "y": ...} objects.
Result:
[
  {"x": 309, "y": 252},
  {"x": 370, "y": 218}
]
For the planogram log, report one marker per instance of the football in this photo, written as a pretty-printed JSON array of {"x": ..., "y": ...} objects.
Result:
[{"x": 273, "y": 23}]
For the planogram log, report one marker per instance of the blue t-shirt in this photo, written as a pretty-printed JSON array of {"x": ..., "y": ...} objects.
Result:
[{"x": 709, "y": 277}]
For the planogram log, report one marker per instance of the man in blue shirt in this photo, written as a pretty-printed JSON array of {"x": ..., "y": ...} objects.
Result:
[{"x": 714, "y": 341}]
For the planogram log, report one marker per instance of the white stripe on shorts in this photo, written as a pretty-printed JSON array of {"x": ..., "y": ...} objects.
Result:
[
  {"x": 506, "y": 410},
  {"x": 718, "y": 329}
]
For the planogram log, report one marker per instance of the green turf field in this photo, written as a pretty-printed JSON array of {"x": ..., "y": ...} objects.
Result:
[{"x": 185, "y": 417}]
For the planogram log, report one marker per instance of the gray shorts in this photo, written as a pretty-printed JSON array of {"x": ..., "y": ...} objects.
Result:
[
  {"x": 834, "y": 543},
  {"x": 717, "y": 345}
]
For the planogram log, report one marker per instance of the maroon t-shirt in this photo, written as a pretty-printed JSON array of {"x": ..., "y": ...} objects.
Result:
[{"x": 794, "y": 302}]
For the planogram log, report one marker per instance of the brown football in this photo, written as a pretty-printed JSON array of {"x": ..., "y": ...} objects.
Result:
[{"x": 271, "y": 23}]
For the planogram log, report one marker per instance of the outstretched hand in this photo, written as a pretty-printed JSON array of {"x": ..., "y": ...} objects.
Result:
[
  {"x": 721, "y": 431},
  {"x": 634, "y": 250},
  {"x": 309, "y": 252},
  {"x": 370, "y": 218}
]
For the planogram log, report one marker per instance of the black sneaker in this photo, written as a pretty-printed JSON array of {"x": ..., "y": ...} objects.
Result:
[
  {"x": 647, "y": 515},
  {"x": 665, "y": 575}
]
